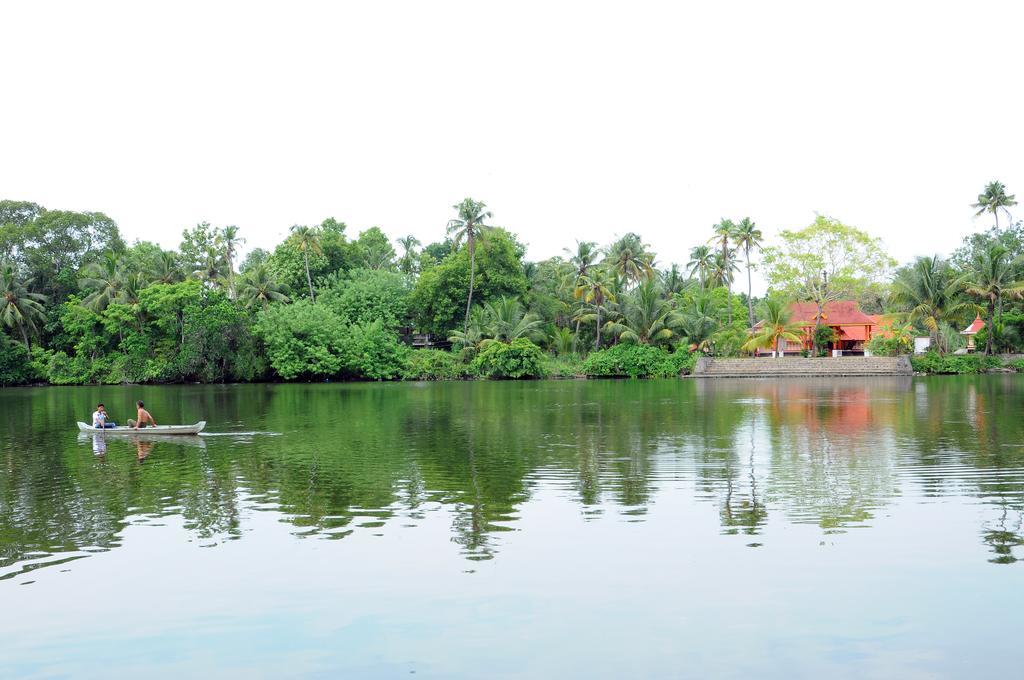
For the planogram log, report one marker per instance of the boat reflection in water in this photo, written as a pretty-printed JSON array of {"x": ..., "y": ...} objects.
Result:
[
  {"x": 836, "y": 454},
  {"x": 99, "y": 441},
  {"x": 786, "y": 528}
]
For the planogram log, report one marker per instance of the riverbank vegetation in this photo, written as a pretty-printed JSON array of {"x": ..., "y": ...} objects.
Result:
[
  {"x": 78, "y": 305},
  {"x": 958, "y": 364}
]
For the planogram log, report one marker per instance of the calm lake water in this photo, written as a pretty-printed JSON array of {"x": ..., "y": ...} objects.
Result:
[{"x": 679, "y": 528}]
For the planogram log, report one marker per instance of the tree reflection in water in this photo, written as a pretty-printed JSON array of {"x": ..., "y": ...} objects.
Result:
[{"x": 359, "y": 457}]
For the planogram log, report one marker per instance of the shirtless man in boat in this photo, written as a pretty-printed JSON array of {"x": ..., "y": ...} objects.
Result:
[{"x": 143, "y": 417}]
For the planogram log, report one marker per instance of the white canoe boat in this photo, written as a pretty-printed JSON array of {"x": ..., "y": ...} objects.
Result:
[{"x": 159, "y": 429}]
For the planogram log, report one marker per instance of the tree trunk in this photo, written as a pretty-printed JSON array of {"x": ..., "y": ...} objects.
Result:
[
  {"x": 472, "y": 275},
  {"x": 231, "y": 278},
  {"x": 24, "y": 337},
  {"x": 576, "y": 337},
  {"x": 991, "y": 324},
  {"x": 817, "y": 323},
  {"x": 728, "y": 290},
  {"x": 777, "y": 355},
  {"x": 309, "y": 280},
  {"x": 597, "y": 333},
  {"x": 750, "y": 288},
  {"x": 727, "y": 275}
]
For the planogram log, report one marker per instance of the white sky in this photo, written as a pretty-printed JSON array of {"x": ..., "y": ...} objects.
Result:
[{"x": 570, "y": 120}]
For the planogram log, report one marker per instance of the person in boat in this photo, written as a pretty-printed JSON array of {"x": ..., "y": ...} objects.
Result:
[
  {"x": 100, "y": 419},
  {"x": 143, "y": 418}
]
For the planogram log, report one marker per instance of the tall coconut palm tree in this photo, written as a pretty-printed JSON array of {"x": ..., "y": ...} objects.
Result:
[
  {"x": 20, "y": 308},
  {"x": 105, "y": 280},
  {"x": 993, "y": 199},
  {"x": 134, "y": 282},
  {"x": 993, "y": 276},
  {"x": 582, "y": 259},
  {"x": 164, "y": 268},
  {"x": 630, "y": 259},
  {"x": 673, "y": 280},
  {"x": 932, "y": 295},
  {"x": 308, "y": 240},
  {"x": 469, "y": 227},
  {"x": 257, "y": 287},
  {"x": 212, "y": 269},
  {"x": 724, "y": 231},
  {"x": 702, "y": 260},
  {"x": 407, "y": 265},
  {"x": 229, "y": 242},
  {"x": 595, "y": 290},
  {"x": 723, "y": 273},
  {"x": 647, "y": 317},
  {"x": 698, "y": 320},
  {"x": 776, "y": 327},
  {"x": 748, "y": 238}
]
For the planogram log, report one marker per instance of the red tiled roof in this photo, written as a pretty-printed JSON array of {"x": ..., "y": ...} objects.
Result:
[
  {"x": 838, "y": 313},
  {"x": 975, "y": 326},
  {"x": 883, "y": 326},
  {"x": 853, "y": 333}
]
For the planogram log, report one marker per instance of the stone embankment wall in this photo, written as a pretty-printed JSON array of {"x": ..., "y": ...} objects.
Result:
[{"x": 770, "y": 367}]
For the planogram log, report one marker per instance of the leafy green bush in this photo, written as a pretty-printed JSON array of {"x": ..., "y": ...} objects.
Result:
[
  {"x": 678, "y": 363},
  {"x": 306, "y": 340},
  {"x": 886, "y": 347},
  {"x": 637, "y": 361},
  {"x": 517, "y": 359},
  {"x": 60, "y": 369},
  {"x": 433, "y": 364},
  {"x": 15, "y": 364},
  {"x": 1018, "y": 365},
  {"x": 366, "y": 295},
  {"x": 302, "y": 340},
  {"x": 959, "y": 364},
  {"x": 634, "y": 361},
  {"x": 371, "y": 351}
]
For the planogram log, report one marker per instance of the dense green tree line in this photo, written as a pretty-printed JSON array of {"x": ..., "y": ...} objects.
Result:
[{"x": 79, "y": 305}]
